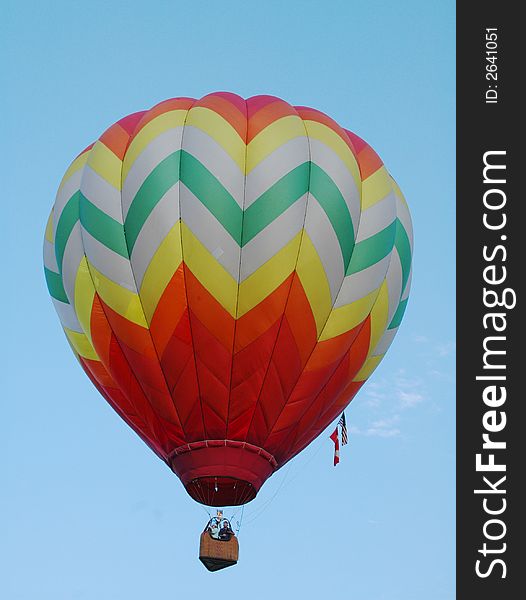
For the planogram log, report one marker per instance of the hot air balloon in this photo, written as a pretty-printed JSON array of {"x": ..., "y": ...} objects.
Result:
[{"x": 228, "y": 273}]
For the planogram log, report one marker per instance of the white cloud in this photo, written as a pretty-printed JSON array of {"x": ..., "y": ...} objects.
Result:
[
  {"x": 380, "y": 428},
  {"x": 445, "y": 349},
  {"x": 409, "y": 399},
  {"x": 420, "y": 339}
]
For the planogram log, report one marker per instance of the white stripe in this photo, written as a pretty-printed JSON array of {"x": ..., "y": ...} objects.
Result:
[
  {"x": 73, "y": 254},
  {"x": 156, "y": 151},
  {"x": 377, "y": 217},
  {"x": 324, "y": 239},
  {"x": 67, "y": 316},
  {"x": 50, "y": 259},
  {"x": 272, "y": 168},
  {"x": 402, "y": 212},
  {"x": 70, "y": 187},
  {"x": 405, "y": 293},
  {"x": 156, "y": 227},
  {"x": 336, "y": 169},
  {"x": 102, "y": 194},
  {"x": 385, "y": 341},
  {"x": 209, "y": 231},
  {"x": 394, "y": 284},
  {"x": 273, "y": 238},
  {"x": 358, "y": 285},
  {"x": 112, "y": 265},
  {"x": 215, "y": 158}
]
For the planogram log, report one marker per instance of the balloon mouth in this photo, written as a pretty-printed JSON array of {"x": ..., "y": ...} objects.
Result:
[
  {"x": 221, "y": 491},
  {"x": 222, "y": 472}
]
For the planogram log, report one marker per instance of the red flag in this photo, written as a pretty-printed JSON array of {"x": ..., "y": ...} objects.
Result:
[{"x": 334, "y": 437}]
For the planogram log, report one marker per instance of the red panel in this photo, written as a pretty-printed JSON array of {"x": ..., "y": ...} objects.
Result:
[
  {"x": 213, "y": 363},
  {"x": 284, "y": 371},
  {"x": 137, "y": 345},
  {"x": 122, "y": 406},
  {"x": 314, "y": 388},
  {"x": 301, "y": 321},
  {"x": 117, "y": 365},
  {"x": 250, "y": 366}
]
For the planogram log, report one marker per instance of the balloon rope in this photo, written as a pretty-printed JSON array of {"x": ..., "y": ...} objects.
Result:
[{"x": 259, "y": 511}]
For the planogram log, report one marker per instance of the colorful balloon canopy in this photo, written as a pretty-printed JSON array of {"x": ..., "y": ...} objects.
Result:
[{"x": 228, "y": 273}]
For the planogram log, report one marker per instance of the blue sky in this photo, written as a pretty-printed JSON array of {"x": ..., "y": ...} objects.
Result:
[{"x": 87, "y": 511}]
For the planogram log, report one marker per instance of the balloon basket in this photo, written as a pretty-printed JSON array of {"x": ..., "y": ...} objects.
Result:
[{"x": 218, "y": 554}]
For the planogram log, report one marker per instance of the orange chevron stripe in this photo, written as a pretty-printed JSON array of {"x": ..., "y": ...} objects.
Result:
[
  {"x": 263, "y": 114},
  {"x": 99, "y": 373},
  {"x": 115, "y": 362},
  {"x": 134, "y": 336},
  {"x": 259, "y": 319},
  {"x": 169, "y": 311},
  {"x": 301, "y": 320},
  {"x": 309, "y": 395},
  {"x": 137, "y": 350},
  {"x": 100, "y": 331},
  {"x": 311, "y": 114},
  {"x": 116, "y": 139},
  {"x": 327, "y": 352},
  {"x": 368, "y": 161},
  {"x": 125, "y": 409},
  {"x": 161, "y": 108},
  {"x": 231, "y": 107},
  {"x": 209, "y": 311}
]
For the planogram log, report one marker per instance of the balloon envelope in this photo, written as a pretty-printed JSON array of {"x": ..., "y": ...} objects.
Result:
[{"x": 228, "y": 273}]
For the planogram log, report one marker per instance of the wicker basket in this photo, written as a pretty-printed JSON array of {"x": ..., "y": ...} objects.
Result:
[{"x": 218, "y": 554}]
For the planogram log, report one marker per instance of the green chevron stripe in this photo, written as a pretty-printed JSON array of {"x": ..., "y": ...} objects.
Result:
[
  {"x": 205, "y": 186},
  {"x": 159, "y": 181},
  {"x": 268, "y": 207},
  {"x": 373, "y": 249},
  {"x": 333, "y": 203},
  {"x": 404, "y": 251},
  {"x": 102, "y": 227},
  {"x": 68, "y": 217},
  {"x": 397, "y": 318},
  {"x": 274, "y": 201},
  {"x": 55, "y": 286}
]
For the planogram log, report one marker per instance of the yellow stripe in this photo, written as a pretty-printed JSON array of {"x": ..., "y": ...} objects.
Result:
[
  {"x": 272, "y": 137},
  {"x": 347, "y": 317},
  {"x": 220, "y": 130},
  {"x": 163, "y": 265},
  {"x": 84, "y": 294},
  {"x": 81, "y": 344},
  {"x": 398, "y": 192},
  {"x": 314, "y": 281},
  {"x": 268, "y": 277},
  {"x": 77, "y": 164},
  {"x": 121, "y": 300},
  {"x": 157, "y": 126},
  {"x": 379, "y": 314},
  {"x": 375, "y": 188},
  {"x": 378, "y": 327},
  {"x": 49, "y": 228},
  {"x": 369, "y": 366},
  {"x": 330, "y": 138},
  {"x": 212, "y": 275},
  {"x": 106, "y": 164}
]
